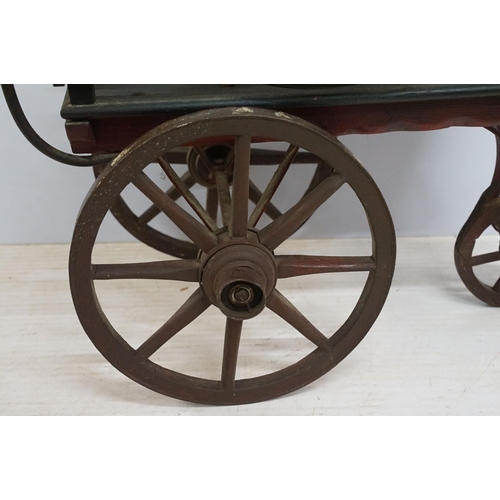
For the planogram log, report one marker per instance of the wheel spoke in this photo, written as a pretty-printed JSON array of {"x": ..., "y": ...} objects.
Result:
[
  {"x": 270, "y": 157},
  {"x": 203, "y": 156},
  {"x": 187, "y": 195},
  {"x": 212, "y": 203},
  {"x": 193, "y": 229},
  {"x": 230, "y": 357},
  {"x": 188, "y": 312},
  {"x": 320, "y": 174},
  {"x": 224, "y": 195},
  {"x": 255, "y": 195},
  {"x": 176, "y": 270},
  {"x": 229, "y": 160},
  {"x": 281, "y": 306},
  {"x": 273, "y": 185},
  {"x": 239, "y": 207},
  {"x": 301, "y": 265},
  {"x": 172, "y": 193},
  {"x": 279, "y": 230},
  {"x": 177, "y": 157},
  {"x": 486, "y": 258},
  {"x": 496, "y": 286}
]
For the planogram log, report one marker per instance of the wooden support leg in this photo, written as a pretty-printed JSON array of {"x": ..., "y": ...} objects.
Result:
[{"x": 486, "y": 214}]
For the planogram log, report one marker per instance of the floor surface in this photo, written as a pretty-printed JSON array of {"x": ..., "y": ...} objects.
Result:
[{"x": 434, "y": 350}]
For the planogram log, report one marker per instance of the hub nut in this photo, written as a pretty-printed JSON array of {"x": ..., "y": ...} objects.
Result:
[{"x": 241, "y": 294}]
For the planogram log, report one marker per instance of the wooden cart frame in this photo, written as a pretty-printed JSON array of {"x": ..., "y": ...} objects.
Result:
[{"x": 220, "y": 133}]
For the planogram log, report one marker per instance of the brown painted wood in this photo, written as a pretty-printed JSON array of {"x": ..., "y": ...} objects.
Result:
[
  {"x": 405, "y": 116},
  {"x": 186, "y": 314},
  {"x": 230, "y": 358},
  {"x": 81, "y": 136},
  {"x": 485, "y": 214},
  {"x": 282, "y": 228},
  {"x": 241, "y": 179},
  {"x": 272, "y": 187},
  {"x": 198, "y": 233},
  {"x": 187, "y": 195},
  {"x": 231, "y": 265},
  {"x": 177, "y": 270},
  {"x": 281, "y": 306},
  {"x": 290, "y": 266}
]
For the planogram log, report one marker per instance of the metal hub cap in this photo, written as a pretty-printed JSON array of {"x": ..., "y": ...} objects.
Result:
[{"x": 241, "y": 294}]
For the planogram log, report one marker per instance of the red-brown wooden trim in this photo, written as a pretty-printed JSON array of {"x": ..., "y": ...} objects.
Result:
[{"x": 114, "y": 134}]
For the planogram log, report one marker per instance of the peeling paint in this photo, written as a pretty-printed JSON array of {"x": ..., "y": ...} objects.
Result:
[
  {"x": 280, "y": 114},
  {"x": 240, "y": 111}
]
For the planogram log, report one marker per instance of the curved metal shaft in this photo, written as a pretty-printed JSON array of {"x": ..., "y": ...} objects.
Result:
[{"x": 28, "y": 131}]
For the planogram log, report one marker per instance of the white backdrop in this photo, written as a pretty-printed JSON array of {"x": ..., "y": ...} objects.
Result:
[{"x": 430, "y": 180}]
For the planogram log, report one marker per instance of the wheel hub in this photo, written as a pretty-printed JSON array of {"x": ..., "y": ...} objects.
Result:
[
  {"x": 215, "y": 159},
  {"x": 238, "y": 278}
]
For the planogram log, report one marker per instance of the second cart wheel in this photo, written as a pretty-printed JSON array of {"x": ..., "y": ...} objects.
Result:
[
  {"x": 199, "y": 164},
  {"x": 470, "y": 260},
  {"x": 241, "y": 272}
]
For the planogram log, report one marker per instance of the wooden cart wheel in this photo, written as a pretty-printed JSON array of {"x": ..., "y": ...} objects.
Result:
[
  {"x": 138, "y": 225},
  {"x": 199, "y": 164},
  {"x": 239, "y": 268},
  {"x": 468, "y": 261}
]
